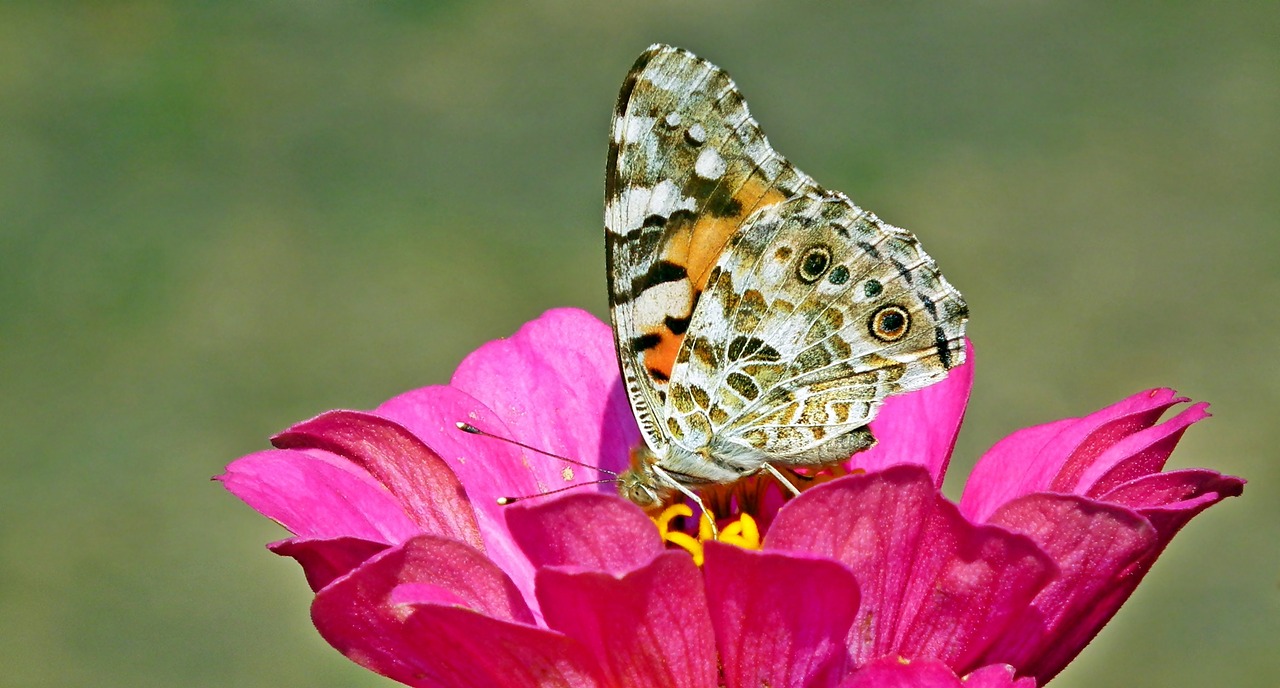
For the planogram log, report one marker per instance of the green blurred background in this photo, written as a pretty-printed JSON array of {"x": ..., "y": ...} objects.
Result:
[{"x": 220, "y": 218}]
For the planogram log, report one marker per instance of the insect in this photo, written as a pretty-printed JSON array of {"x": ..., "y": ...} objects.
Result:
[{"x": 760, "y": 319}]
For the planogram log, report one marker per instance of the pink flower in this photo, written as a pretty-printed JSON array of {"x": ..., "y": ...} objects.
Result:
[{"x": 869, "y": 580}]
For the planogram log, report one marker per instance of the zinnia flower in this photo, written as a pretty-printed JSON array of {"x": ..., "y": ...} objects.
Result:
[{"x": 869, "y": 579}]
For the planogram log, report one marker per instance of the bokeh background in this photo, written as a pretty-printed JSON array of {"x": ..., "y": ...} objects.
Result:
[{"x": 217, "y": 219}]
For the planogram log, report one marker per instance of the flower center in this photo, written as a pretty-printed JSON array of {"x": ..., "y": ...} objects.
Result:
[
  {"x": 743, "y": 509},
  {"x": 741, "y": 532}
]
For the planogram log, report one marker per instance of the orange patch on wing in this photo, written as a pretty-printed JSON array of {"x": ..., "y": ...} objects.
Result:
[
  {"x": 661, "y": 358},
  {"x": 699, "y": 247}
]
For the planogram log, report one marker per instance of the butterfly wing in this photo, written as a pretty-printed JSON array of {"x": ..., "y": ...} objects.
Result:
[
  {"x": 687, "y": 166},
  {"x": 816, "y": 312}
]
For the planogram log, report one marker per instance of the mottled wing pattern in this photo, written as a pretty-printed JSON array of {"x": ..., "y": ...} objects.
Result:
[
  {"x": 687, "y": 165},
  {"x": 816, "y": 312}
]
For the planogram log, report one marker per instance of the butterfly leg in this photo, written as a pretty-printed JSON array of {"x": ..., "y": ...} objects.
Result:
[
  {"x": 781, "y": 479},
  {"x": 706, "y": 513}
]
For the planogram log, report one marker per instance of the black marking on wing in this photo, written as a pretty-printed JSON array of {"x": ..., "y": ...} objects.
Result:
[
  {"x": 646, "y": 341},
  {"x": 943, "y": 345},
  {"x": 929, "y": 306},
  {"x": 679, "y": 220},
  {"x": 678, "y": 326},
  {"x": 719, "y": 198},
  {"x": 902, "y": 269},
  {"x": 633, "y": 77},
  {"x": 612, "y": 189},
  {"x": 871, "y": 250},
  {"x": 660, "y": 272}
]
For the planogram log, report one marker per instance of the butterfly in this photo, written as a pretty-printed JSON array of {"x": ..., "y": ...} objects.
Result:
[{"x": 760, "y": 319}]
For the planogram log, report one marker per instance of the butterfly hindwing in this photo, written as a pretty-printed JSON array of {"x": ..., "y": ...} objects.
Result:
[
  {"x": 687, "y": 165},
  {"x": 816, "y": 312}
]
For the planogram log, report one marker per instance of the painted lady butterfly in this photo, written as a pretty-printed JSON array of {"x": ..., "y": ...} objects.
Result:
[{"x": 760, "y": 319}]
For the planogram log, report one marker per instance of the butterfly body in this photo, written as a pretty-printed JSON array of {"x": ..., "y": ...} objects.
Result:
[{"x": 760, "y": 319}]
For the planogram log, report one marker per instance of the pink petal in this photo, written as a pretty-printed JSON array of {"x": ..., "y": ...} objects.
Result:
[
  {"x": 647, "y": 628},
  {"x": 780, "y": 620},
  {"x": 440, "y": 562},
  {"x": 556, "y": 386},
  {"x": 324, "y": 560},
  {"x": 921, "y": 427},
  {"x": 487, "y": 467},
  {"x": 490, "y": 468},
  {"x": 1139, "y": 454},
  {"x": 889, "y": 672},
  {"x": 586, "y": 532},
  {"x": 429, "y": 491},
  {"x": 423, "y": 636},
  {"x": 366, "y": 613},
  {"x": 1052, "y": 457},
  {"x": 1088, "y": 606},
  {"x": 1006, "y": 470},
  {"x": 1083, "y": 444},
  {"x": 1170, "y": 500},
  {"x": 933, "y": 584},
  {"x": 463, "y": 648},
  {"x": 1097, "y": 547},
  {"x": 318, "y": 496}
]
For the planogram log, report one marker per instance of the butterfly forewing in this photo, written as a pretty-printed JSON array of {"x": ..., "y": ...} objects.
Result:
[{"x": 687, "y": 165}]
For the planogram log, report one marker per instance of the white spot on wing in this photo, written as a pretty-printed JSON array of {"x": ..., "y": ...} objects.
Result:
[
  {"x": 709, "y": 165},
  {"x": 666, "y": 199},
  {"x": 697, "y": 134},
  {"x": 637, "y": 203},
  {"x": 637, "y": 128},
  {"x": 654, "y": 304}
]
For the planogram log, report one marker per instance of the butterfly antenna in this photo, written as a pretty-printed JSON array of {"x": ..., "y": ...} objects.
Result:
[
  {"x": 503, "y": 501},
  {"x": 469, "y": 428}
]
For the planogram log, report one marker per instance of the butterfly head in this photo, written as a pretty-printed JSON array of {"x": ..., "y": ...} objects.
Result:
[{"x": 640, "y": 483}]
